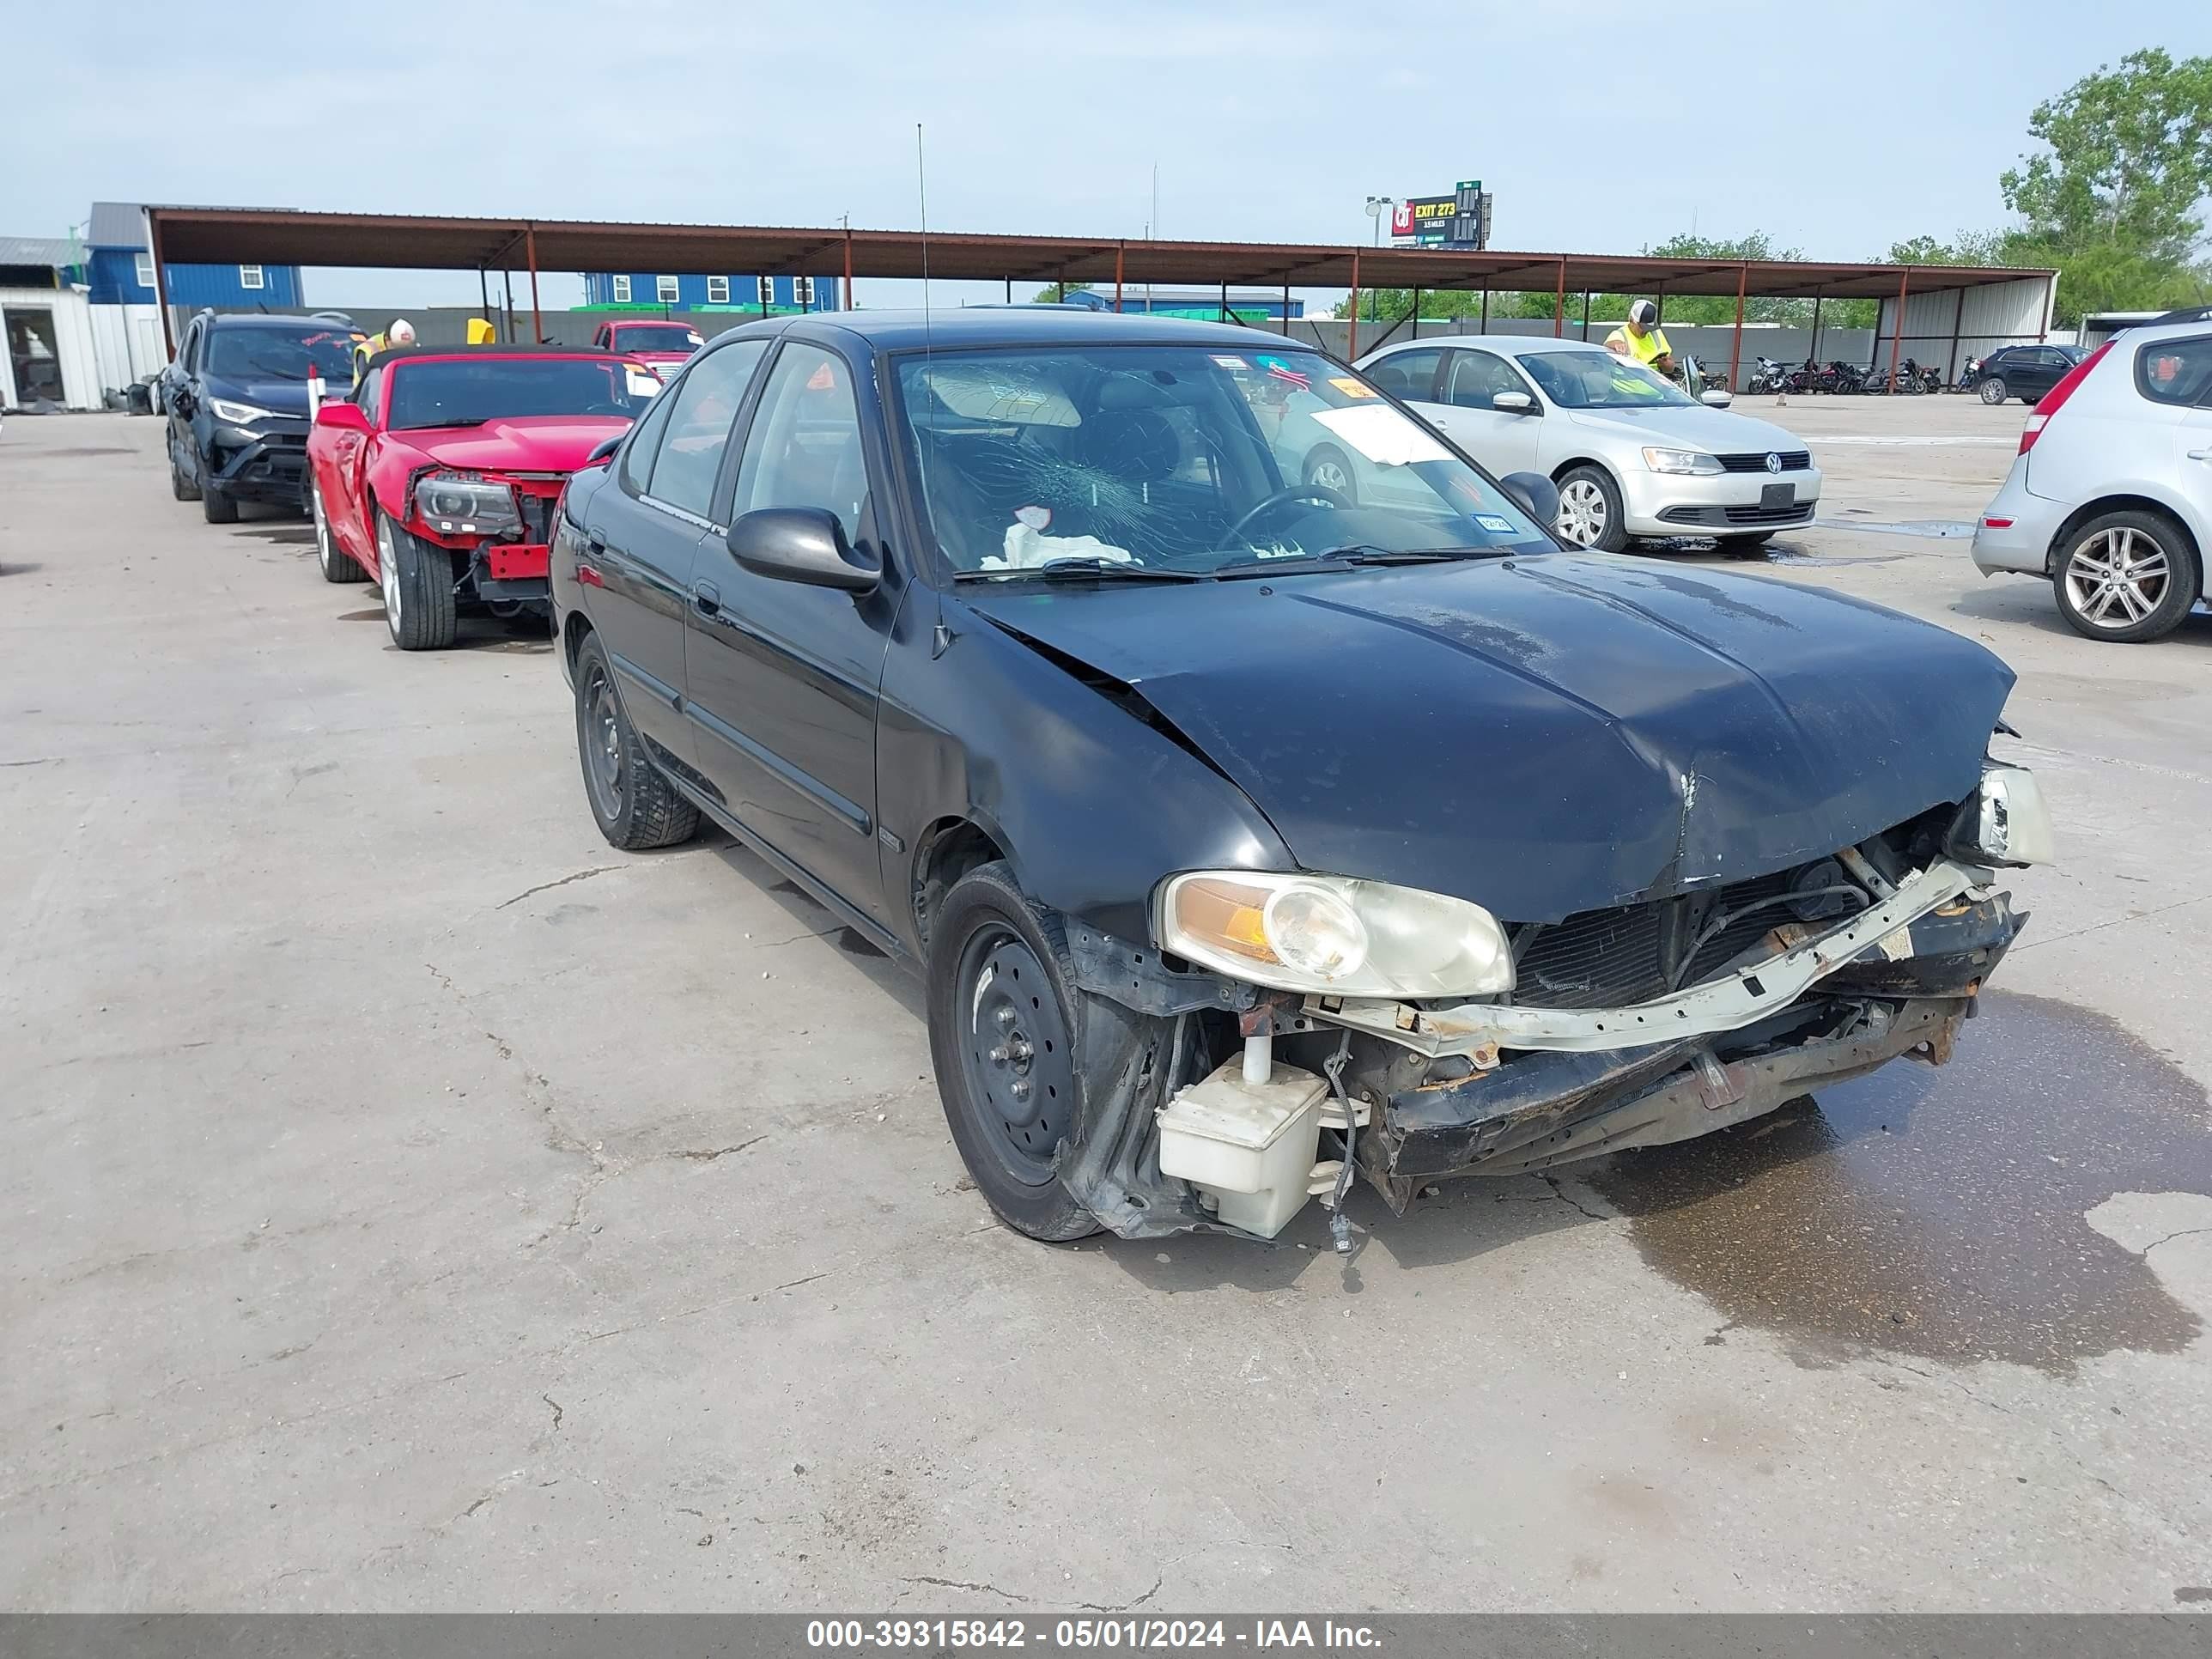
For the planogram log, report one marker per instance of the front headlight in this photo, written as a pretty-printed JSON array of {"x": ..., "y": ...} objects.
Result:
[
  {"x": 1681, "y": 460},
  {"x": 2007, "y": 821},
  {"x": 238, "y": 414},
  {"x": 466, "y": 507},
  {"x": 1333, "y": 935}
]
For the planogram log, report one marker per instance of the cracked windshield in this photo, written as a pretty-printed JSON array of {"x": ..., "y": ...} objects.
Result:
[{"x": 1183, "y": 462}]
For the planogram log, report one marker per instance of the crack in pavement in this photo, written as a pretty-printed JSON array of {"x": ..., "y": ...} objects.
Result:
[
  {"x": 1124, "y": 1606},
  {"x": 1575, "y": 1204},
  {"x": 720, "y": 1152},
  {"x": 2116, "y": 921},
  {"x": 546, "y": 886},
  {"x": 962, "y": 1584},
  {"x": 819, "y": 933},
  {"x": 557, "y": 1412},
  {"x": 2186, "y": 1232}
]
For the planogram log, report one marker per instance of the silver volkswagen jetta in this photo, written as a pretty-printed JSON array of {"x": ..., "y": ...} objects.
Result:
[{"x": 1632, "y": 454}]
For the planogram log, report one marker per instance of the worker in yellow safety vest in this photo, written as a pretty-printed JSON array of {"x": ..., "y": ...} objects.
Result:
[
  {"x": 401, "y": 333},
  {"x": 1640, "y": 339}
]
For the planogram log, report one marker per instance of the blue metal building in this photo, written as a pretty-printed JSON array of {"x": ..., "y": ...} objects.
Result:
[
  {"x": 120, "y": 269},
  {"x": 649, "y": 290}
]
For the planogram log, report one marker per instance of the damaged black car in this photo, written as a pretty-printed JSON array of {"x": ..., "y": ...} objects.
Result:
[{"x": 1257, "y": 834}]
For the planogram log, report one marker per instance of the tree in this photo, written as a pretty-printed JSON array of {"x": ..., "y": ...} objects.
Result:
[
  {"x": 2130, "y": 159},
  {"x": 1968, "y": 247},
  {"x": 1052, "y": 293}
]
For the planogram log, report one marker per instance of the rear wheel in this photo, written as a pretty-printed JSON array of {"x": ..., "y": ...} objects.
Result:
[
  {"x": 418, "y": 588},
  {"x": 1327, "y": 469},
  {"x": 1590, "y": 510},
  {"x": 1993, "y": 390},
  {"x": 2127, "y": 577},
  {"x": 1004, "y": 1013},
  {"x": 635, "y": 806},
  {"x": 337, "y": 565}
]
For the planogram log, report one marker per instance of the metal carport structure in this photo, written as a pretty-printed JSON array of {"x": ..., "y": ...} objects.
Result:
[{"x": 404, "y": 242}]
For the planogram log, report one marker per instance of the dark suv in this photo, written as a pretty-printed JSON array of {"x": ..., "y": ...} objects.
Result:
[
  {"x": 2025, "y": 372},
  {"x": 237, "y": 397}
]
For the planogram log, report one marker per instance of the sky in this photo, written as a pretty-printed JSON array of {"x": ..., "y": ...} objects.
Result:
[{"x": 1598, "y": 126}]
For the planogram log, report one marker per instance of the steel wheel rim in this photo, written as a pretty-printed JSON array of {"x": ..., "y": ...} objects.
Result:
[
  {"x": 1582, "y": 513},
  {"x": 322, "y": 527},
  {"x": 1993, "y": 392},
  {"x": 2118, "y": 578},
  {"x": 387, "y": 575},
  {"x": 601, "y": 738},
  {"x": 1014, "y": 1059}
]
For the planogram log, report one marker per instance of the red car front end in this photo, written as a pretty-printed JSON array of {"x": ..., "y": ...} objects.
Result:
[{"x": 666, "y": 347}]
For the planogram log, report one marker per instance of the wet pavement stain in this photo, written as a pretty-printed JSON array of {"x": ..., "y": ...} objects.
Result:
[{"x": 1938, "y": 1212}]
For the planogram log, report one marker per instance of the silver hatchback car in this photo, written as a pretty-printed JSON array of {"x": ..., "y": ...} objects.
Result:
[
  {"x": 2110, "y": 498},
  {"x": 1632, "y": 453}
]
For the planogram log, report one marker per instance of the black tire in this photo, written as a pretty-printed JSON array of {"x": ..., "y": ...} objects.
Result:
[
  {"x": 2151, "y": 604},
  {"x": 635, "y": 807},
  {"x": 991, "y": 951},
  {"x": 1992, "y": 390},
  {"x": 218, "y": 505},
  {"x": 336, "y": 564},
  {"x": 416, "y": 580},
  {"x": 1328, "y": 468},
  {"x": 1601, "y": 511},
  {"x": 179, "y": 486}
]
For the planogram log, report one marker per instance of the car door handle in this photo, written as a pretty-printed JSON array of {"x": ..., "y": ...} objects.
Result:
[
  {"x": 596, "y": 540},
  {"x": 708, "y": 597},
  {"x": 2200, "y": 454}
]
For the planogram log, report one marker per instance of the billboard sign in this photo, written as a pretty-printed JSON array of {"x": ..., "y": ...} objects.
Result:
[{"x": 1461, "y": 219}]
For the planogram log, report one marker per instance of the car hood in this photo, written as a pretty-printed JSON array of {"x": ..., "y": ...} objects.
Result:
[
  {"x": 277, "y": 396},
  {"x": 520, "y": 443},
  {"x": 1550, "y": 733},
  {"x": 1722, "y": 431}
]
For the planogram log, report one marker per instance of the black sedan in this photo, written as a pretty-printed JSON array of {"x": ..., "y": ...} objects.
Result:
[
  {"x": 1251, "y": 837},
  {"x": 2025, "y": 372}
]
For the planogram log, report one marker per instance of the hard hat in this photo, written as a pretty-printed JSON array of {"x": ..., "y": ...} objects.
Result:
[
  {"x": 402, "y": 332},
  {"x": 1643, "y": 313}
]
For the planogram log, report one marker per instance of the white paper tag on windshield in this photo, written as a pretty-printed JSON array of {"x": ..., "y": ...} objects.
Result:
[
  {"x": 1493, "y": 523},
  {"x": 642, "y": 384},
  {"x": 1382, "y": 434}
]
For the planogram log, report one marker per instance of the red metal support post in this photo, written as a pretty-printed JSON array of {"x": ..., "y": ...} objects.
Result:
[
  {"x": 1560, "y": 304},
  {"x": 1351, "y": 349},
  {"x": 530, "y": 249},
  {"x": 1897, "y": 334},
  {"x": 849, "y": 267},
  {"x": 1120, "y": 248},
  {"x": 1735, "y": 351}
]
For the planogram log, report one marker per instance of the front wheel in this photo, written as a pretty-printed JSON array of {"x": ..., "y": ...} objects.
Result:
[
  {"x": 1590, "y": 511},
  {"x": 636, "y": 805},
  {"x": 1004, "y": 1011},
  {"x": 1993, "y": 391},
  {"x": 336, "y": 564},
  {"x": 418, "y": 588},
  {"x": 184, "y": 489},
  {"x": 2127, "y": 577},
  {"x": 218, "y": 505}
]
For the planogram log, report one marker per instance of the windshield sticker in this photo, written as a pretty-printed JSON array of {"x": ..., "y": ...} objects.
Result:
[
  {"x": 1282, "y": 371},
  {"x": 1231, "y": 363},
  {"x": 1382, "y": 434},
  {"x": 1494, "y": 524},
  {"x": 1352, "y": 388},
  {"x": 1036, "y": 518}
]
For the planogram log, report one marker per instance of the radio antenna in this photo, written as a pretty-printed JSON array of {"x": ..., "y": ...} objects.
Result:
[{"x": 921, "y": 188}]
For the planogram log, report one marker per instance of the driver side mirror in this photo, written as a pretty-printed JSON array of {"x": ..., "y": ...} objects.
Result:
[
  {"x": 336, "y": 416},
  {"x": 802, "y": 544},
  {"x": 1513, "y": 402},
  {"x": 1717, "y": 399},
  {"x": 604, "y": 450},
  {"x": 1536, "y": 493}
]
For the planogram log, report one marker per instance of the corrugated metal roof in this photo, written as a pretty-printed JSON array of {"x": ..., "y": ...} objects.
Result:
[
  {"x": 284, "y": 236},
  {"x": 117, "y": 224},
  {"x": 54, "y": 251}
]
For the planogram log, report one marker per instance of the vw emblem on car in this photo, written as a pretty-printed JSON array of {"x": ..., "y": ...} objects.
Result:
[{"x": 1774, "y": 463}]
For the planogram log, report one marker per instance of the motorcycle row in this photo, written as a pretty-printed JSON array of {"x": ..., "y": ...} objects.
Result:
[{"x": 1840, "y": 377}]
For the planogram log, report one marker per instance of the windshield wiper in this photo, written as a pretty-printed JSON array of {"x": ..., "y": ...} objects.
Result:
[
  {"x": 1083, "y": 570},
  {"x": 1335, "y": 558}
]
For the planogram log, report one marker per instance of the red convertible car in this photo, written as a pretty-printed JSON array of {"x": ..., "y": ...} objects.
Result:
[
  {"x": 665, "y": 346},
  {"x": 440, "y": 476}
]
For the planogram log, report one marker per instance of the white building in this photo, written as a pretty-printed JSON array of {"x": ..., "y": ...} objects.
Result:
[{"x": 47, "y": 355}]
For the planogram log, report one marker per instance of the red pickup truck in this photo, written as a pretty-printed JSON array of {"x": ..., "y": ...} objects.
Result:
[
  {"x": 666, "y": 346},
  {"x": 440, "y": 476}
]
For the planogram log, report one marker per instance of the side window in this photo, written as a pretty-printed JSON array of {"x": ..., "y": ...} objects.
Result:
[
  {"x": 369, "y": 397},
  {"x": 1476, "y": 378},
  {"x": 1410, "y": 374},
  {"x": 701, "y": 409},
  {"x": 639, "y": 454},
  {"x": 804, "y": 449},
  {"x": 2176, "y": 372}
]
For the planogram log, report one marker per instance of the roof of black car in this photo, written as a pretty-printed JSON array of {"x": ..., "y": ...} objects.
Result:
[
  {"x": 520, "y": 348},
  {"x": 1045, "y": 325},
  {"x": 278, "y": 319}
]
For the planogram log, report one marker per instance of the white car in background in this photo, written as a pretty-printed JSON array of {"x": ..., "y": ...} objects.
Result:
[
  {"x": 2109, "y": 497},
  {"x": 1632, "y": 453}
]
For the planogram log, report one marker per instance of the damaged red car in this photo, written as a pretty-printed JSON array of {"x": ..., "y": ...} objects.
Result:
[{"x": 438, "y": 477}]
